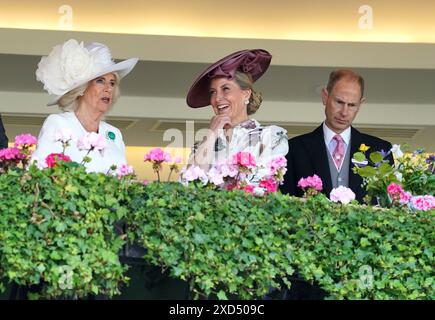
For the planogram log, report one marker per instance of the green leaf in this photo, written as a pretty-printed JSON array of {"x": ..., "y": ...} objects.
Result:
[
  {"x": 359, "y": 156},
  {"x": 364, "y": 242},
  {"x": 385, "y": 168},
  {"x": 376, "y": 157},
  {"x": 221, "y": 295},
  {"x": 367, "y": 172}
]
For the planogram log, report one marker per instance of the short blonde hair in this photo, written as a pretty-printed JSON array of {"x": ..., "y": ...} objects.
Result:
[
  {"x": 69, "y": 101},
  {"x": 244, "y": 80}
]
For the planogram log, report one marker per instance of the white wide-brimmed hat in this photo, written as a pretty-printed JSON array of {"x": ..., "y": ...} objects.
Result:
[{"x": 72, "y": 64}]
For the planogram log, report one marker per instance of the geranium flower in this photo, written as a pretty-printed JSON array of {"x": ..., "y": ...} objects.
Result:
[
  {"x": 394, "y": 189},
  {"x": 63, "y": 135},
  {"x": 53, "y": 158},
  {"x": 405, "y": 197},
  {"x": 124, "y": 170},
  {"x": 269, "y": 185},
  {"x": 278, "y": 168},
  {"x": 92, "y": 141},
  {"x": 10, "y": 154},
  {"x": 25, "y": 140},
  {"x": 193, "y": 173},
  {"x": 244, "y": 159},
  {"x": 249, "y": 189},
  {"x": 313, "y": 182},
  {"x": 215, "y": 176},
  {"x": 157, "y": 155},
  {"x": 423, "y": 203},
  {"x": 342, "y": 194}
]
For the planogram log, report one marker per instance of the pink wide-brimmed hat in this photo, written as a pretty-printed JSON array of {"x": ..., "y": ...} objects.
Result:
[{"x": 254, "y": 62}]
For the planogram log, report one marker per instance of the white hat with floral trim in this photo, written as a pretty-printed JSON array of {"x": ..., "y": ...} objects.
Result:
[{"x": 72, "y": 64}]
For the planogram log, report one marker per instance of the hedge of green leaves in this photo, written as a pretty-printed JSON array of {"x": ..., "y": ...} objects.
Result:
[
  {"x": 359, "y": 252},
  {"x": 221, "y": 242},
  {"x": 56, "y": 230},
  {"x": 230, "y": 243}
]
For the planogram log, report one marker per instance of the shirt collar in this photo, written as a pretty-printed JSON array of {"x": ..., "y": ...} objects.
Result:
[{"x": 328, "y": 134}]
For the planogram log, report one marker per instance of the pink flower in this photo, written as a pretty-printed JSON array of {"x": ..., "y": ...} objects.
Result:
[
  {"x": 394, "y": 189},
  {"x": 63, "y": 135},
  {"x": 278, "y": 168},
  {"x": 249, "y": 189},
  {"x": 215, "y": 176},
  {"x": 157, "y": 155},
  {"x": 227, "y": 169},
  {"x": 9, "y": 154},
  {"x": 145, "y": 182},
  {"x": 398, "y": 195},
  {"x": 280, "y": 162},
  {"x": 405, "y": 197},
  {"x": 53, "y": 158},
  {"x": 244, "y": 159},
  {"x": 269, "y": 185},
  {"x": 313, "y": 182},
  {"x": 92, "y": 141},
  {"x": 342, "y": 194},
  {"x": 25, "y": 140},
  {"x": 193, "y": 173},
  {"x": 423, "y": 203},
  {"x": 124, "y": 170}
]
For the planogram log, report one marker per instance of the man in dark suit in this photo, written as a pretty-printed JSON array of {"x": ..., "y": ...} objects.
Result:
[
  {"x": 327, "y": 152},
  {"x": 318, "y": 153},
  {"x": 3, "y": 137}
]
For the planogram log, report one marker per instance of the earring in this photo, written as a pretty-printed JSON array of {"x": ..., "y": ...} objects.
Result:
[{"x": 246, "y": 101}]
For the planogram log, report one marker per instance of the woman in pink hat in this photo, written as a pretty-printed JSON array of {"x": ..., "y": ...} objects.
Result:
[
  {"x": 227, "y": 86},
  {"x": 83, "y": 81}
]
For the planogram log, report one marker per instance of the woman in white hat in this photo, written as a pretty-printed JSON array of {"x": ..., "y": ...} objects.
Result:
[{"x": 84, "y": 82}]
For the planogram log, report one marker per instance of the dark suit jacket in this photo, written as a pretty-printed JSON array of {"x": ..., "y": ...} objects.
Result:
[
  {"x": 3, "y": 137},
  {"x": 308, "y": 155}
]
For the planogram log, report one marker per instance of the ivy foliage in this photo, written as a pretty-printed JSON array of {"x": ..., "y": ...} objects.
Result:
[
  {"x": 230, "y": 244},
  {"x": 57, "y": 231},
  {"x": 361, "y": 252},
  {"x": 223, "y": 243}
]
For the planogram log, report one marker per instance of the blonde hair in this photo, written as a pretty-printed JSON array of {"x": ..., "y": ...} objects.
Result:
[
  {"x": 244, "y": 80},
  {"x": 69, "y": 101}
]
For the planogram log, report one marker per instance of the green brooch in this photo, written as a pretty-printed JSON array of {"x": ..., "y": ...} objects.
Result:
[{"x": 110, "y": 135}]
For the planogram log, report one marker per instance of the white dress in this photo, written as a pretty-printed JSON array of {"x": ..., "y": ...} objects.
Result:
[
  {"x": 264, "y": 143},
  {"x": 113, "y": 154}
]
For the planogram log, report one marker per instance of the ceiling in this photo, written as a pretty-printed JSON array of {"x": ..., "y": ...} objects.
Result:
[
  {"x": 315, "y": 20},
  {"x": 280, "y": 83}
]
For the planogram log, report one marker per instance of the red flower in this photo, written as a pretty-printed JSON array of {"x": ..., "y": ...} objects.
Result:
[
  {"x": 270, "y": 185},
  {"x": 53, "y": 158}
]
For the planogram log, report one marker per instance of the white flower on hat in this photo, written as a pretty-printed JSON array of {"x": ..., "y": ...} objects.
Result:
[
  {"x": 66, "y": 65},
  {"x": 71, "y": 64}
]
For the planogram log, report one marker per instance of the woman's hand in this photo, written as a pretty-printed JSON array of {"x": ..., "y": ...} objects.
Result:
[{"x": 219, "y": 122}]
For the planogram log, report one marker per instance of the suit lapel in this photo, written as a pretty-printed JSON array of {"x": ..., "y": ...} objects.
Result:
[
  {"x": 316, "y": 148},
  {"x": 355, "y": 180}
]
